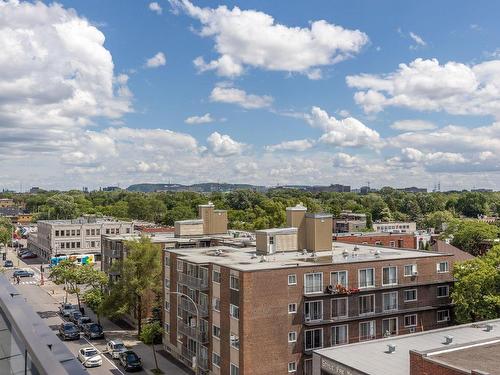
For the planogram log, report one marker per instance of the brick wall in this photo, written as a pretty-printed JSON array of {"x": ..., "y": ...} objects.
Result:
[
  {"x": 406, "y": 241},
  {"x": 420, "y": 365}
]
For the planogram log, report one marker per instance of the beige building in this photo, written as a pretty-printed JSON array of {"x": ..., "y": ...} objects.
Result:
[
  {"x": 78, "y": 236},
  {"x": 395, "y": 226},
  {"x": 210, "y": 222}
]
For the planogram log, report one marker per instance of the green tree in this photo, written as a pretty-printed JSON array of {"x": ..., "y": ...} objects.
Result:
[
  {"x": 5, "y": 230},
  {"x": 59, "y": 206},
  {"x": 472, "y": 204},
  {"x": 437, "y": 219},
  {"x": 77, "y": 278},
  {"x": 152, "y": 334},
  {"x": 94, "y": 299},
  {"x": 140, "y": 278},
  {"x": 476, "y": 293},
  {"x": 469, "y": 234}
]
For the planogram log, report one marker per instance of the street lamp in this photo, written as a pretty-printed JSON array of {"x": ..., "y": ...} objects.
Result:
[{"x": 198, "y": 351}]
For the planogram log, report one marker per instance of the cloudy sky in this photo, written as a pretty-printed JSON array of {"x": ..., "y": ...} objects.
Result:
[{"x": 96, "y": 93}]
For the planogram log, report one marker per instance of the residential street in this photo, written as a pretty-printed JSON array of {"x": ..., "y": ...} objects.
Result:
[{"x": 45, "y": 300}]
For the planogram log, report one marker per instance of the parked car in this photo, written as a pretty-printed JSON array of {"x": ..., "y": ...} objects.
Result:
[
  {"x": 83, "y": 321},
  {"x": 66, "y": 308},
  {"x": 89, "y": 357},
  {"x": 130, "y": 361},
  {"x": 74, "y": 316},
  {"x": 22, "y": 252},
  {"x": 23, "y": 273},
  {"x": 69, "y": 331},
  {"x": 8, "y": 263},
  {"x": 28, "y": 255},
  {"x": 93, "y": 331},
  {"x": 115, "y": 347}
]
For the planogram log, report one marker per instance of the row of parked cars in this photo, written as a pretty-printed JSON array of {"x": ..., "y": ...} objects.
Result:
[
  {"x": 77, "y": 323},
  {"x": 26, "y": 254}
]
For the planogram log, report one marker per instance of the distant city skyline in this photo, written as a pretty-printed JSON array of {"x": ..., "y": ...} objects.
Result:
[{"x": 109, "y": 93}]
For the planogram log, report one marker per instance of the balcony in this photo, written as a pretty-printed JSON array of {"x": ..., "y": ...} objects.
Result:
[
  {"x": 188, "y": 306},
  {"x": 189, "y": 354},
  {"x": 192, "y": 332},
  {"x": 192, "y": 282}
]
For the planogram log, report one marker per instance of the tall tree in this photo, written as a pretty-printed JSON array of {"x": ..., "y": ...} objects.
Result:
[
  {"x": 140, "y": 278},
  {"x": 151, "y": 335},
  {"x": 469, "y": 234},
  {"x": 476, "y": 293},
  {"x": 5, "y": 230}
]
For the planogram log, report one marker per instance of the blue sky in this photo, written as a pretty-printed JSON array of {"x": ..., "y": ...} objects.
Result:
[{"x": 314, "y": 92}]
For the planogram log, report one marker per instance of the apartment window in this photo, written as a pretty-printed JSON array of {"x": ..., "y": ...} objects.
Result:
[
  {"x": 339, "y": 278},
  {"x": 167, "y": 260},
  {"x": 410, "y": 295},
  {"x": 234, "y": 370},
  {"x": 167, "y": 305},
  {"x": 313, "y": 339},
  {"x": 339, "y": 308},
  {"x": 410, "y": 270},
  {"x": 92, "y": 232},
  {"x": 107, "y": 230},
  {"x": 127, "y": 230},
  {"x": 78, "y": 232},
  {"x": 392, "y": 243},
  {"x": 78, "y": 245},
  {"x": 313, "y": 282},
  {"x": 313, "y": 310},
  {"x": 443, "y": 315},
  {"x": 443, "y": 291},
  {"x": 87, "y": 232},
  {"x": 366, "y": 278},
  {"x": 367, "y": 330},
  {"x": 390, "y": 327},
  {"x": 292, "y": 308},
  {"x": 68, "y": 233},
  {"x": 340, "y": 335},
  {"x": 234, "y": 311},
  {"x": 216, "y": 359},
  {"x": 308, "y": 366},
  {"x": 411, "y": 320},
  {"x": 217, "y": 304},
  {"x": 216, "y": 331},
  {"x": 167, "y": 283},
  {"x": 216, "y": 277},
  {"x": 62, "y": 245},
  {"x": 442, "y": 267},
  {"x": 367, "y": 304},
  {"x": 98, "y": 232},
  {"x": 57, "y": 233},
  {"x": 235, "y": 341},
  {"x": 390, "y": 301},
  {"x": 292, "y": 279},
  {"x": 180, "y": 265},
  {"x": 234, "y": 282},
  {"x": 292, "y": 366},
  {"x": 389, "y": 276},
  {"x": 292, "y": 336}
]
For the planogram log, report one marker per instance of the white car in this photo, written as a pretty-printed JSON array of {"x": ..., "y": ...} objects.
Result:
[
  {"x": 115, "y": 347},
  {"x": 89, "y": 357}
]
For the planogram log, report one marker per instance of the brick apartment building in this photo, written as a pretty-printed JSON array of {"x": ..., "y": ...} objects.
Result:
[
  {"x": 467, "y": 349},
  {"x": 263, "y": 310},
  {"x": 397, "y": 240},
  {"x": 349, "y": 221}
]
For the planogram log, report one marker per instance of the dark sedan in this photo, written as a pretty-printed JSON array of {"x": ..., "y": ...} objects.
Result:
[
  {"x": 23, "y": 273},
  {"x": 130, "y": 361},
  {"x": 8, "y": 263},
  {"x": 93, "y": 331},
  {"x": 69, "y": 331}
]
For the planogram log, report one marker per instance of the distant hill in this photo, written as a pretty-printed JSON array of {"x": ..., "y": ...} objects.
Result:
[{"x": 206, "y": 187}]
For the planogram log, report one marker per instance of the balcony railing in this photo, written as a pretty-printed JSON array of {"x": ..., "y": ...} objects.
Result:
[
  {"x": 192, "y": 282},
  {"x": 192, "y": 332},
  {"x": 189, "y": 354},
  {"x": 187, "y": 305}
]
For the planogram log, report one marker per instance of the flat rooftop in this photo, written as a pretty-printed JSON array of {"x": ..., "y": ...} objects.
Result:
[
  {"x": 80, "y": 221},
  {"x": 372, "y": 234},
  {"x": 245, "y": 259},
  {"x": 473, "y": 347}
]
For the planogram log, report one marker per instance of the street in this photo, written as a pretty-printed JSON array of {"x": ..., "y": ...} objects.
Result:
[{"x": 45, "y": 300}]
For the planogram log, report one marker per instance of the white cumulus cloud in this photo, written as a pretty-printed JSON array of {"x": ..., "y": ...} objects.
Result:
[
  {"x": 156, "y": 61},
  {"x": 155, "y": 7},
  {"x": 413, "y": 125},
  {"x": 205, "y": 119},
  {"x": 297, "y": 145},
  {"x": 240, "y": 97},
  {"x": 252, "y": 38},
  {"x": 224, "y": 145},
  {"x": 426, "y": 85}
]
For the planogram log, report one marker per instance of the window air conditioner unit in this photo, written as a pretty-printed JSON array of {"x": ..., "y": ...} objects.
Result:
[
  {"x": 414, "y": 273},
  {"x": 307, "y": 318},
  {"x": 412, "y": 330},
  {"x": 446, "y": 318}
]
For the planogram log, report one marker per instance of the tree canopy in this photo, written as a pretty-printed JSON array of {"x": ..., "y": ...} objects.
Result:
[{"x": 476, "y": 292}]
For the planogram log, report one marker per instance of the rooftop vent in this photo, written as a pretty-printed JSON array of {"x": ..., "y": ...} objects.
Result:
[
  {"x": 377, "y": 253},
  {"x": 345, "y": 253},
  {"x": 263, "y": 259},
  {"x": 488, "y": 327},
  {"x": 253, "y": 256},
  {"x": 304, "y": 252},
  {"x": 218, "y": 252},
  {"x": 391, "y": 348},
  {"x": 448, "y": 340},
  {"x": 356, "y": 248}
]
